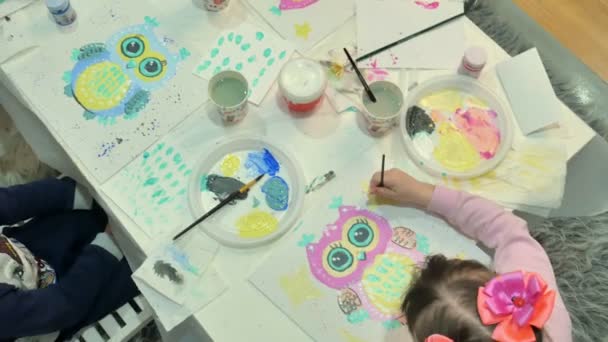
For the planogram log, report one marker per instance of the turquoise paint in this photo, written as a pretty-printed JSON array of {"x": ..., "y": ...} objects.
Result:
[
  {"x": 181, "y": 192},
  {"x": 181, "y": 168},
  {"x": 148, "y": 168},
  {"x": 174, "y": 184},
  {"x": 74, "y": 55},
  {"x": 256, "y": 202},
  {"x": 245, "y": 46},
  {"x": 259, "y": 36},
  {"x": 204, "y": 66},
  {"x": 220, "y": 41},
  {"x": 188, "y": 173},
  {"x": 164, "y": 200},
  {"x": 203, "y": 184},
  {"x": 163, "y": 166},
  {"x": 306, "y": 240},
  {"x": 158, "y": 159},
  {"x": 169, "y": 175},
  {"x": 373, "y": 278},
  {"x": 262, "y": 72},
  {"x": 275, "y": 10},
  {"x": 238, "y": 66},
  {"x": 184, "y": 53},
  {"x": 336, "y": 202},
  {"x": 255, "y": 82},
  {"x": 230, "y": 36},
  {"x": 391, "y": 325},
  {"x": 151, "y": 181},
  {"x": 158, "y": 193},
  {"x": 214, "y": 52},
  {"x": 282, "y": 54},
  {"x": 277, "y": 193},
  {"x": 160, "y": 146},
  {"x": 422, "y": 244},
  {"x": 146, "y": 155},
  {"x": 251, "y": 59},
  {"x": 177, "y": 158},
  {"x": 238, "y": 39},
  {"x": 151, "y": 21},
  {"x": 358, "y": 316},
  {"x": 226, "y": 61},
  {"x": 267, "y": 52},
  {"x": 270, "y": 61},
  {"x": 217, "y": 70},
  {"x": 169, "y": 151},
  {"x": 67, "y": 77}
]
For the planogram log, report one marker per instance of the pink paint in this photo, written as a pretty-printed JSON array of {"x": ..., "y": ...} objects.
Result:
[
  {"x": 479, "y": 127},
  {"x": 295, "y": 4},
  {"x": 375, "y": 73},
  {"x": 429, "y": 5}
]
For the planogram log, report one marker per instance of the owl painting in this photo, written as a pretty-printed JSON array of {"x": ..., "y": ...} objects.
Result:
[
  {"x": 116, "y": 78},
  {"x": 367, "y": 261}
]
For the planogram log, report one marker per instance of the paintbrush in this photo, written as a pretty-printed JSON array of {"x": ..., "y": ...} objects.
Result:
[
  {"x": 361, "y": 78},
  {"x": 225, "y": 201},
  {"x": 382, "y": 172},
  {"x": 411, "y": 36}
]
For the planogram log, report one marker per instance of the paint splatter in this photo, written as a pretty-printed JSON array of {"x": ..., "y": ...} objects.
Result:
[
  {"x": 275, "y": 10},
  {"x": 358, "y": 316},
  {"x": 417, "y": 120},
  {"x": 277, "y": 193},
  {"x": 348, "y": 337},
  {"x": 230, "y": 165},
  {"x": 222, "y": 187},
  {"x": 147, "y": 128},
  {"x": 262, "y": 162},
  {"x": 336, "y": 202},
  {"x": 429, "y": 5},
  {"x": 454, "y": 151},
  {"x": 479, "y": 126},
  {"x": 299, "y": 287},
  {"x": 106, "y": 149},
  {"x": 256, "y": 202},
  {"x": 391, "y": 324},
  {"x": 302, "y": 30},
  {"x": 164, "y": 269},
  {"x": 422, "y": 244},
  {"x": 256, "y": 224},
  {"x": 306, "y": 240},
  {"x": 295, "y": 4}
]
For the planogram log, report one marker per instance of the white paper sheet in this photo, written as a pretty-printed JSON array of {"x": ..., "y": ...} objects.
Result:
[
  {"x": 105, "y": 143},
  {"x": 306, "y": 22},
  {"x": 8, "y": 7},
  {"x": 529, "y": 90},
  {"x": 381, "y": 22},
  {"x": 287, "y": 280},
  {"x": 257, "y": 54}
]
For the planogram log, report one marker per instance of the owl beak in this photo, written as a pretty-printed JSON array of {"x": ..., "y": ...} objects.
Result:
[
  {"x": 362, "y": 256},
  {"x": 131, "y": 64}
]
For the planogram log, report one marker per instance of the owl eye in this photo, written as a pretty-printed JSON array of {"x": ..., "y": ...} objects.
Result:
[
  {"x": 132, "y": 47},
  {"x": 361, "y": 234},
  {"x": 339, "y": 259},
  {"x": 18, "y": 272},
  {"x": 151, "y": 67}
]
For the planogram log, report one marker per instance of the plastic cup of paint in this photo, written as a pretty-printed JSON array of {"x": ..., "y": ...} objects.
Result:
[
  {"x": 302, "y": 83},
  {"x": 229, "y": 91},
  {"x": 215, "y": 5},
  {"x": 382, "y": 115}
]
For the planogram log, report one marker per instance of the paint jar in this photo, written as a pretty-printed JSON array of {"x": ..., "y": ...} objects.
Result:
[
  {"x": 229, "y": 91},
  {"x": 473, "y": 61},
  {"x": 63, "y": 13},
  {"x": 302, "y": 83},
  {"x": 215, "y": 5},
  {"x": 382, "y": 115}
]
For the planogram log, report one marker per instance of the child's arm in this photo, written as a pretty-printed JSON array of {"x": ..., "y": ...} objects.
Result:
[
  {"x": 39, "y": 198},
  {"x": 508, "y": 235},
  {"x": 64, "y": 304}
]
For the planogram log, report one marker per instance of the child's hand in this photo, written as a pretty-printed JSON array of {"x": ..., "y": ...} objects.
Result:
[{"x": 402, "y": 188}]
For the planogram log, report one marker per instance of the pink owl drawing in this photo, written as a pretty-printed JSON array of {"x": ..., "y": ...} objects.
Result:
[
  {"x": 295, "y": 4},
  {"x": 369, "y": 263}
]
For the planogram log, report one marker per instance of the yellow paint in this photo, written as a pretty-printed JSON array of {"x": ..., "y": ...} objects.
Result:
[
  {"x": 374, "y": 201},
  {"x": 230, "y": 165},
  {"x": 461, "y": 256},
  {"x": 473, "y": 101},
  {"x": 298, "y": 287},
  {"x": 386, "y": 280},
  {"x": 302, "y": 30},
  {"x": 445, "y": 100},
  {"x": 256, "y": 224},
  {"x": 348, "y": 337},
  {"x": 454, "y": 151},
  {"x": 101, "y": 86}
]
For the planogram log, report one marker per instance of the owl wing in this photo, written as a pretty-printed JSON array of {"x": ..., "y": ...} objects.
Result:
[
  {"x": 137, "y": 103},
  {"x": 91, "y": 50}
]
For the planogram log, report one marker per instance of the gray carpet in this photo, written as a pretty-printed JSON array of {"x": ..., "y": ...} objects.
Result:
[{"x": 577, "y": 246}]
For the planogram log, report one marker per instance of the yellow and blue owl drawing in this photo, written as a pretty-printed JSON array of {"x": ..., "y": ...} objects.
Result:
[{"x": 115, "y": 79}]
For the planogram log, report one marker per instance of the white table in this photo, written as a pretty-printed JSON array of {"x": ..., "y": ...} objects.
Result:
[{"x": 242, "y": 313}]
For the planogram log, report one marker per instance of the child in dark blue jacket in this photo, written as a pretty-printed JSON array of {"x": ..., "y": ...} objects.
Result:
[{"x": 59, "y": 271}]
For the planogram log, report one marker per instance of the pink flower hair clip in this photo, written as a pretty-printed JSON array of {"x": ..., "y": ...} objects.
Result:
[{"x": 515, "y": 301}]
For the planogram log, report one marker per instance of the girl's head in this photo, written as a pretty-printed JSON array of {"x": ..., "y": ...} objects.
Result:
[{"x": 443, "y": 300}]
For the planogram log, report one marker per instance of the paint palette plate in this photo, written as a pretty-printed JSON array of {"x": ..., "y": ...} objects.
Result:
[
  {"x": 455, "y": 127},
  {"x": 267, "y": 211}
]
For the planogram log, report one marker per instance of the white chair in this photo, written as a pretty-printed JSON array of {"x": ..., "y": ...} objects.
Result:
[{"x": 119, "y": 326}]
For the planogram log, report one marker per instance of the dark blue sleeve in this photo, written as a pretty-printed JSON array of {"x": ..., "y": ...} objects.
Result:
[
  {"x": 38, "y": 198},
  {"x": 59, "y": 306}
]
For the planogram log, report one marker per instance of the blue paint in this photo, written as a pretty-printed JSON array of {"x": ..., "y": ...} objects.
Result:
[
  {"x": 336, "y": 202},
  {"x": 422, "y": 244},
  {"x": 256, "y": 202},
  {"x": 184, "y": 53},
  {"x": 358, "y": 316},
  {"x": 182, "y": 259},
  {"x": 306, "y": 240},
  {"x": 262, "y": 162},
  {"x": 277, "y": 193}
]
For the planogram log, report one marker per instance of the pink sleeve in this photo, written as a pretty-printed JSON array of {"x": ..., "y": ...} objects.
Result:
[{"x": 508, "y": 235}]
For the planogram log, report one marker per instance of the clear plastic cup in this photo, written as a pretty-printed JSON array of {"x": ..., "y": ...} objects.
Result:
[
  {"x": 382, "y": 115},
  {"x": 229, "y": 91}
]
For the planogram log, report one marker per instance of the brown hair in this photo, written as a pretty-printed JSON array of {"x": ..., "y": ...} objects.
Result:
[{"x": 443, "y": 300}]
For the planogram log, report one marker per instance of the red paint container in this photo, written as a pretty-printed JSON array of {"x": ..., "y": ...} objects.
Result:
[{"x": 302, "y": 83}]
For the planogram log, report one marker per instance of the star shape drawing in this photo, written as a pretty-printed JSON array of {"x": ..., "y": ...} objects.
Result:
[
  {"x": 298, "y": 287},
  {"x": 302, "y": 30}
]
